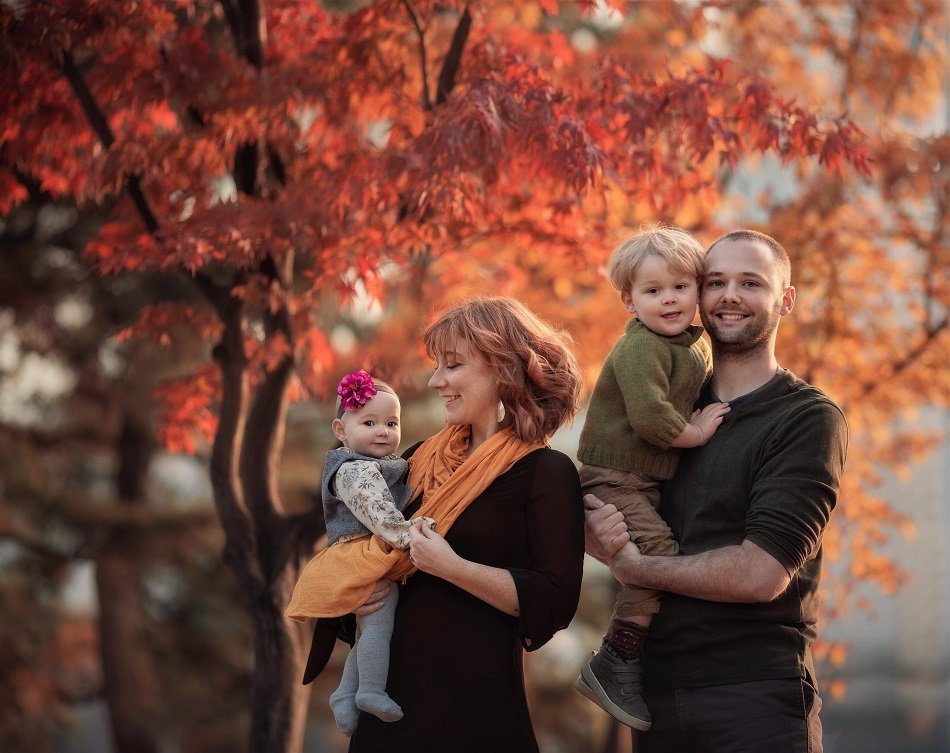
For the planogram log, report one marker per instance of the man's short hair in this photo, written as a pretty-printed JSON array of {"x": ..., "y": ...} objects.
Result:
[{"x": 778, "y": 252}]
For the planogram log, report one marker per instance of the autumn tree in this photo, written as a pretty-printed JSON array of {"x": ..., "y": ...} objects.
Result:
[{"x": 283, "y": 158}]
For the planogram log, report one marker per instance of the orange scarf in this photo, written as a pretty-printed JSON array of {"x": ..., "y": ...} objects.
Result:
[{"x": 340, "y": 579}]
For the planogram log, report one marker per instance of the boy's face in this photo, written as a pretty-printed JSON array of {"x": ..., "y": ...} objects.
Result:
[
  {"x": 663, "y": 300},
  {"x": 373, "y": 429}
]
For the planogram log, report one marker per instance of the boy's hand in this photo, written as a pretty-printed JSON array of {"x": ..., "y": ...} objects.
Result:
[{"x": 708, "y": 419}]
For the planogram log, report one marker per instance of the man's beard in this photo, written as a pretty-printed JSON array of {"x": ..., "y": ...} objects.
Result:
[{"x": 752, "y": 337}]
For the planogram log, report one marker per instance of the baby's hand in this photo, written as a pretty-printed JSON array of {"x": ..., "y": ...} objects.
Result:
[
  {"x": 428, "y": 521},
  {"x": 708, "y": 419}
]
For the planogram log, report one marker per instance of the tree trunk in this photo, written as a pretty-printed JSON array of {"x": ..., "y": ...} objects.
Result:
[
  {"x": 279, "y": 700},
  {"x": 264, "y": 547},
  {"x": 130, "y": 688}
]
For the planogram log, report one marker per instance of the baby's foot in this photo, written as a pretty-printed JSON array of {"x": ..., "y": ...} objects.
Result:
[
  {"x": 380, "y": 705},
  {"x": 345, "y": 713}
]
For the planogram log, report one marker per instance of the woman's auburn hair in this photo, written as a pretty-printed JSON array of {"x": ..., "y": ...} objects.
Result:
[{"x": 539, "y": 381}]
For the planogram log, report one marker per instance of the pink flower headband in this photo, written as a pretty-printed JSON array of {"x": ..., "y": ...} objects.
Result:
[{"x": 355, "y": 390}]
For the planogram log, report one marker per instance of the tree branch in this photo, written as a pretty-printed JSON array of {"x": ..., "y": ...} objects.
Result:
[
  {"x": 262, "y": 448},
  {"x": 908, "y": 359},
  {"x": 32, "y": 542},
  {"x": 240, "y": 549},
  {"x": 248, "y": 29},
  {"x": 96, "y": 525},
  {"x": 453, "y": 59},
  {"x": 423, "y": 60},
  {"x": 97, "y": 120}
]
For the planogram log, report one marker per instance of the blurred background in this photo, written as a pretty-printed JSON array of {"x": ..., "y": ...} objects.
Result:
[{"x": 211, "y": 209}]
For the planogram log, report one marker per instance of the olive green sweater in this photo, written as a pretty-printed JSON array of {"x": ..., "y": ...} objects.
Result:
[{"x": 643, "y": 399}]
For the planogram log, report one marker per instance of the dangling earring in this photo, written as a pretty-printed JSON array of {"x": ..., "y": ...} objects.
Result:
[{"x": 500, "y": 413}]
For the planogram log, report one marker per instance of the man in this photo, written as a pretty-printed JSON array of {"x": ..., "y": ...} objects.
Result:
[{"x": 727, "y": 665}]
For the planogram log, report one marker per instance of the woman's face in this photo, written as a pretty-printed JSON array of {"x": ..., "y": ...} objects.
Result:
[{"x": 468, "y": 388}]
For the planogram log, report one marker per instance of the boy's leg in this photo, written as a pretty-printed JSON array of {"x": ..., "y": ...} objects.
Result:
[
  {"x": 613, "y": 679},
  {"x": 343, "y": 699},
  {"x": 372, "y": 651},
  {"x": 639, "y": 501}
]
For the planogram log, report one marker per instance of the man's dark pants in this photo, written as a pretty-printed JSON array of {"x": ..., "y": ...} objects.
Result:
[{"x": 766, "y": 716}]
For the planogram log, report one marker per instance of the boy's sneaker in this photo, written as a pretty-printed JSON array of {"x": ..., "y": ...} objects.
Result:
[{"x": 617, "y": 687}]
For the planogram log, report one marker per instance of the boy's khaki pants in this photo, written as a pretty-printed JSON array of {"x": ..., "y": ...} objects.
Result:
[{"x": 638, "y": 497}]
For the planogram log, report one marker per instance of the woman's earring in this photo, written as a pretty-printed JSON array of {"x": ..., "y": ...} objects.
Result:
[{"x": 500, "y": 413}]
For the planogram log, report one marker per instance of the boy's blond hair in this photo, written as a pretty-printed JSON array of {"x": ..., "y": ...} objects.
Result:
[{"x": 678, "y": 248}]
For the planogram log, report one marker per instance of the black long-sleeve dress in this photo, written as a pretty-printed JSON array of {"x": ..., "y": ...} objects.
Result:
[{"x": 456, "y": 662}]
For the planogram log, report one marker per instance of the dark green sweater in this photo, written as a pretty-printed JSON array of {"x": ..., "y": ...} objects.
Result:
[
  {"x": 643, "y": 399},
  {"x": 770, "y": 474}
]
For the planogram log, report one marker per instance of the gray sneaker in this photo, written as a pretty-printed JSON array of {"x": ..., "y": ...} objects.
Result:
[{"x": 617, "y": 687}]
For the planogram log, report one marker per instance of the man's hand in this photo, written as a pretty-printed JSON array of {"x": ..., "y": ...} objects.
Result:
[
  {"x": 623, "y": 564},
  {"x": 605, "y": 531}
]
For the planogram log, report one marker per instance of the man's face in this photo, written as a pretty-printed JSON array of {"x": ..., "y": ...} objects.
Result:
[{"x": 743, "y": 297}]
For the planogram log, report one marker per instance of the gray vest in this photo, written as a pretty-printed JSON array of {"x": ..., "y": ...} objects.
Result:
[{"x": 340, "y": 521}]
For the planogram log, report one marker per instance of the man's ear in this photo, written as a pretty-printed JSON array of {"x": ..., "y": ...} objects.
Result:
[
  {"x": 339, "y": 430},
  {"x": 628, "y": 301},
  {"x": 788, "y": 301}
]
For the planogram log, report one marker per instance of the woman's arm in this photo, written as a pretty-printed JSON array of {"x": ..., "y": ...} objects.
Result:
[
  {"x": 543, "y": 596},
  {"x": 549, "y": 587},
  {"x": 432, "y": 554}
]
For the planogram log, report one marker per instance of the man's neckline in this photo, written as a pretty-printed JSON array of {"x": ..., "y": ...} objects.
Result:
[{"x": 779, "y": 372}]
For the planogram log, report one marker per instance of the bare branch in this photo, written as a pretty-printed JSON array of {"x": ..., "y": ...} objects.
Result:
[
  {"x": 423, "y": 60},
  {"x": 248, "y": 28},
  {"x": 454, "y": 57}
]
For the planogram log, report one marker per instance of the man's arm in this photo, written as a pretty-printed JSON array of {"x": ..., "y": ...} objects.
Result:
[{"x": 740, "y": 573}]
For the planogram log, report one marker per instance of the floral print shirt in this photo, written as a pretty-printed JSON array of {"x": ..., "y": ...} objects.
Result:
[{"x": 363, "y": 490}]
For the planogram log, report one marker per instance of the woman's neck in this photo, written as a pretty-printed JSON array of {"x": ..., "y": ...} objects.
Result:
[{"x": 481, "y": 433}]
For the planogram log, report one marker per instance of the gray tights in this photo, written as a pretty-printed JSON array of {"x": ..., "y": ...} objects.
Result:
[{"x": 363, "y": 685}]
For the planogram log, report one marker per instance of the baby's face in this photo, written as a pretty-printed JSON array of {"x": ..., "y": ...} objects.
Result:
[
  {"x": 663, "y": 299},
  {"x": 373, "y": 429}
]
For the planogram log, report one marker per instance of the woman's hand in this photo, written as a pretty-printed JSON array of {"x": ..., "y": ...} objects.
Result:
[
  {"x": 375, "y": 600},
  {"x": 434, "y": 555},
  {"x": 430, "y": 552}
]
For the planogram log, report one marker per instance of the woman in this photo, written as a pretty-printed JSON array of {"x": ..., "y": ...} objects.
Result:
[{"x": 506, "y": 575}]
